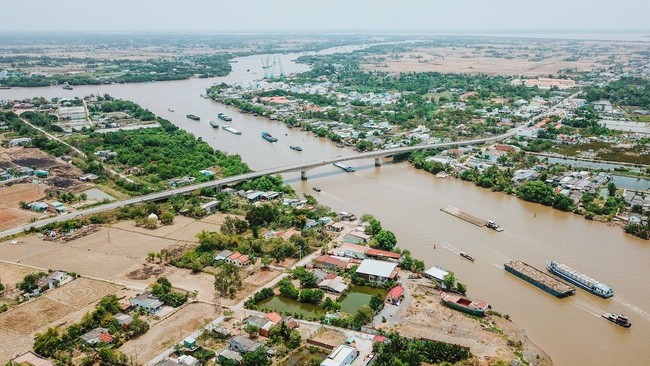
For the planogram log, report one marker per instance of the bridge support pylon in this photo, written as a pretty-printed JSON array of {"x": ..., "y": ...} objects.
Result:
[
  {"x": 303, "y": 175},
  {"x": 377, "y": 162}
]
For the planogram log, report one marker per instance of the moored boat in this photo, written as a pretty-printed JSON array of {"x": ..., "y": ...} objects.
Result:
[
  {"x": 268, "y": 137},
  {"x": 467, "y": 256},
  {"x": 231, "y": 130},
  {"x": 67, "y": 86},
  {"x": 297, "y": 148},
  {"x": 539, "y": 279},
  {"x": 214, "y": 124},
  {"x": 618, "y": 319},
  {"x": 577, "y": 278},
  {"x": 458, "y": 302},
  {"x": 170, "y": 109},
  {"x": 316, "y": 189},
  {"x": 193, "y": 117},
  {"x": 224, "y": 117}
]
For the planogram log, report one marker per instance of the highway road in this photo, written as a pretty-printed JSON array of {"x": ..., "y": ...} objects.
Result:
[{"x": 301, "y": 167}]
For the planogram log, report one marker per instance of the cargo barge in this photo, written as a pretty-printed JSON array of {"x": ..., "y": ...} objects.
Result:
[
  {"x": 458, "y": 302},
  {"x": 193, "y": 117},
  {"x": 580, "y": 280},
  {"x": 539, "y": 279},
  {"x": 224, "y": 117},
  {"x": 231, "y": 130}
]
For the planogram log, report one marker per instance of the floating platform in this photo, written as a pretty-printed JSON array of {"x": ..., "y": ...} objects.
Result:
[
  {"x": 455, "y": 211},
  {"x": 539, "y": 279}
]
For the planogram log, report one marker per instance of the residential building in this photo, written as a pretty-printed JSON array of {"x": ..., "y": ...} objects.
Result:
[
  {"x": 188, "y": 360},
  {"x": 382, "y": 254},
  {"x": 227, "y": 354},
  {"x": 395, "y": 295},
  {"x": 435, "y": 273},
  {"x": 351, "y": 251},
  {"x": 52, "y": 280},
  {"x": 239, "y": 259},
  {"x": 39, "y": 206},
  {"x": 222, "y": 255},
  {"x": 331, "y": 263},
  {"x": 72, "y": 113},
  {"x": 210, "y": 207},
  {"x": 341, "y": 356},
  {"x": 20, "y": 141},
  {"x": 123, "y": 319},
  {"x": 380, "y": 271},
  {"x": 207, "y": 173},
  {"x": 97, "y": 336},
  {"x": 148, "y": 302},
  {"x": 242, "y": 344},
  {"x": 89, "y": 177},
  {"x": 32, "y": 359},
  {"x": 335, "y": 284},
  {"x": 356, "y": 237},
  {"x": 181, "y": 181}
]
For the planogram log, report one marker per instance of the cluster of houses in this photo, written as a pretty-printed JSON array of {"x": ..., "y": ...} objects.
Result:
[
  {"x": 20, "y": 172},
  {"x": 55, "y": 207},
  {"x": 50, "y": 281},
  {"x": 236, "y": 258}
]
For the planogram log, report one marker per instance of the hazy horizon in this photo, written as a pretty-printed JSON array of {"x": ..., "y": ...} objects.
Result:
[{"x": 334, "y": 16}]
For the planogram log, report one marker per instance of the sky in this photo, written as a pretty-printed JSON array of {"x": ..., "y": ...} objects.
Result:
[{"x": 322, "y": 15}]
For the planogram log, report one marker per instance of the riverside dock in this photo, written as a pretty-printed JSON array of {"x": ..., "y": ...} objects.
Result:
[
  {"x": 455, "y": 211},
  {"x": 539, "y": 279}
]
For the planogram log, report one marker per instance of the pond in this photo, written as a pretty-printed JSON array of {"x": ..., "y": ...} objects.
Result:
[
  {"x": 283, "y": 305},
  {"x": 356, "y": 297}
]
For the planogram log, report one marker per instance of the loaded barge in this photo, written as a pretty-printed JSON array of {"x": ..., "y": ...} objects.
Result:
[
  {"x": 231, "y": 130},
  {"x": 455, "y": 211},
  {"x": 582, "y": 281},
  {"x": 539, "y": 279},
  {"x": 347, "y": 168}
]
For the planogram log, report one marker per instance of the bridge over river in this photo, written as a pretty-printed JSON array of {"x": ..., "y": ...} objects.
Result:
[{"x": 301, "y": 167}]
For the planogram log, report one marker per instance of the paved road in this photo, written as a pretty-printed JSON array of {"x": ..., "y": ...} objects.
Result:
[{"x": 243, "y": 177}]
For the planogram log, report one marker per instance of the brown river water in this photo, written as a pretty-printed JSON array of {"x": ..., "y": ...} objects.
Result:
[{"x": 408, "y": 202}]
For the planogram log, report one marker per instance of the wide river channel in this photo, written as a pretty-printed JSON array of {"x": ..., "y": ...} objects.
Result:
[{"x": 408, "y": 201}]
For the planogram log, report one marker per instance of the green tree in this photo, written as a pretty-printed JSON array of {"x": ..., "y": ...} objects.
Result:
[
  {"x": 611, "y": 189},
  {"x": 449, "y": 280},
  {"x": 536, "y": 191},
  {"x": 376, "y": 302},
  {"x": 49, "y": 343},
  {"x": 228, "y": 280},
  {"x": 259, "y": 357},
  {"x": 386, "y": 240},
  {"x": 562, "y": 202},
  {"x": 167, "y": 218}
]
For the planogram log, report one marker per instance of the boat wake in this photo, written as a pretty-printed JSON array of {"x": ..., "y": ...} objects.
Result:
[
  {"x": 644, "y": 314},
  {"x": 584, "y": 303}
]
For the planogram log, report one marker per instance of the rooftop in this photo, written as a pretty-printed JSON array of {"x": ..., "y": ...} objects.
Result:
[{"x": 377, "y": 268}]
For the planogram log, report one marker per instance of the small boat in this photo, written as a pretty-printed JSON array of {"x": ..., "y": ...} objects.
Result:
[
  {"x": 297, "y": 148},
  {"x": 458, "y": 302},
  {"x": 193, "y": 117},
  {"x": 618, "y": 319},
  {"x": 467, "y": 256},
  {"x": 170, "y": 109},
  {"x": 231, "y": 130},
  {"x": 224, "y": 117},
  {"x": 316, "y": 189},
  {"x": 493, "y": 225},
  {"x": 67, "y": 86},
  {"x": 340, "y": 145},
  {"x": 214, "y": 124},
  {"x": 268, "y": 137}
]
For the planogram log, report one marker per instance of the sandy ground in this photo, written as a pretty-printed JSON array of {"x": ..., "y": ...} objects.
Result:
[
  {"x": 56, "y": 307},
  {"x": 424, "y": 316},
  {"x": 165, "y": 333},
  {"x": 11, "y": 215}
]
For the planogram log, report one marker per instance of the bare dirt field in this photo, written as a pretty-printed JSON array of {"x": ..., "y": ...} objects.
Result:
[
  {"x": 457, "y": 62},
  {"x": 20, "y": 323},
  {"x": 10, "y": 276},
  {"x": 427, "y": 317},
  {"x": 63, "y": 176},
  {"x": 11, "y": 215},
  {"x": 103, "y": 254},
  {"x": 167, "y": 332}
]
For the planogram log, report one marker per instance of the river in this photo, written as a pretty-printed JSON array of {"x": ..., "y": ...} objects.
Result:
[{"x": 408, "y": 202}]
